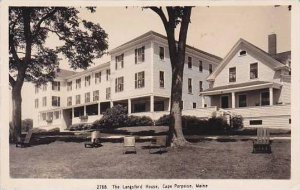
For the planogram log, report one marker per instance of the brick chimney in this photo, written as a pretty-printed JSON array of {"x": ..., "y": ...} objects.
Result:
[{"x": 272, "y": 44}]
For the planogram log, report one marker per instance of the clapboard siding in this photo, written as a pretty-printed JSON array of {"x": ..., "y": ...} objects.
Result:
[
  {"x": 271, "y": 122},
  {"x": 201, "y": 112}
]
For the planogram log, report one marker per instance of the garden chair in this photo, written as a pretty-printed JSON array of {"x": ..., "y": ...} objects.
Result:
[
  {"x": 159, "y": 142},
  {"x": 129, "y": 144},
  {"x": 26, "y": 142},
  {"x": 95, "y": 140},
  {"x": 262, "y": 143}
]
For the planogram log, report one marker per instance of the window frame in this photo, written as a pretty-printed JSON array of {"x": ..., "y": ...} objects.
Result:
[
  {"x": 119, "y": 59},
  {"x": 161, "y": 53},
  {"x": 161, "y": 79},
  {"x": 77, "y": 99},
  {"x": 78, "y": 83},
  {"x": 251, "y": 69},
  {"x": 139, "y": 79},
  {"x": 232, "y": 74},
  {"x": 55, "y": 99},
  {"x": 95, "y": 95},
  {"x": 119, "y": 84},
  {"x": 139, "y": 55},
  {"x": 190, "y": 62},
  {"x": 190, "y": 86},
  {"x": 239, "y": 100}
]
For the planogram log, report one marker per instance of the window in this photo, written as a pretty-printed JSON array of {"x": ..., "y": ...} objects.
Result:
[
  {"x": 69, "y": 101},
  {"x": 44, "y": 101},
  {"x": 45, "y": 87},
  {"x": 119, "y": 84},
  {"x": 43, "y": 115},
  {"x": 200, "y": 86},
  {"x": 78, "y": 83},
  {"x": 87, "y": 97},
  {"x": 36, "y": 103},
  {"x": 92, "y": 109},
  {"x": 87, "y": 81},
  {"x": 190, "y": 87},
  {"x": 107, "y": 74},
  {"x": 159, "y": 106},
  {"x": 210, "y": 68},
  {"x": 161, "y": 79},
  {"x": 265, "y": 98},
  {"x": 36, "y": 89},
  {"x": 97, "y": 77},
  {"x": 55, "y": 101},
  {"x": 232, "y": 74},
  {"x": 243, "y": 52},
  {"x": 189, "y": 62},
  {"x": 69, "y": 86},
  {"x": 140, "y": 55},
  {"x": 96, "y": 95},
  {"x": 79, "y": 111},
  {"x": 161, "y": 53},
  {"x": 253, "y": 71},
  {"x": 242, "y": 100},
  {"x": 200, "y": 66},
  {"x": 120, "y": 61},
  {"x": 140, "y": 79},
  {"x": 140, "y": 107},
  {"x": 56, "y": 114},
  {"x": 290, "y": 121},
  {"x": 56, "y": 86},
  {"x": 50, "y": 116},
  {"x": 255, "y": 122},
  {"x": 108, "y": 93},
  {"x": 77, "y": 99},
  {"x": 194, "y": 105}
]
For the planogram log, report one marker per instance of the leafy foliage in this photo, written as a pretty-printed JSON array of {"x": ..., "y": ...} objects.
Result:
[
  {"x": 237, "y": 122},
  {"x": 139, "y": 121},
  {"x": 81, "y": 41}
]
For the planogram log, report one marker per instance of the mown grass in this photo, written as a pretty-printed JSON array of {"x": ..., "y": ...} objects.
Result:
[{"x": 206, "y": 159}]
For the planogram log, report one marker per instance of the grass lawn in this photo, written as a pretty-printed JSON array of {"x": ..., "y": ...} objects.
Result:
[{"x": 205, "y": 159}]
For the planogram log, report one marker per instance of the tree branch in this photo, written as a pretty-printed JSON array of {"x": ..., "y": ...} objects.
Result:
[
  {"x": 13, "y": 48},
  {"x": 38, "y": 25},
  {"x": 160, "y": 14}
]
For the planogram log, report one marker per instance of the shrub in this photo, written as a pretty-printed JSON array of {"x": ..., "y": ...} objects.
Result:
[
  {"x": 113, "y": 117},
  {"x": 217, "y": 123},
  {"x": 38, "y": 130},
  {"x": 192, "y": 122},
  {"x": 139, "y": 121},
  {"x": 237, "y": 122},
  {"x": 163, "y": 120},
  {"x": 76, "y": 127}
]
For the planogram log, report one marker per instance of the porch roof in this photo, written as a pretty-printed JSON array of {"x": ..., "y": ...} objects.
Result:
[{"x": 247, "y": 86}]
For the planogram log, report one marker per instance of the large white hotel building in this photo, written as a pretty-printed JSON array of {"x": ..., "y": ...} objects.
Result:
[
  {"x": 138, "y": 77},
  {"x": 248, "y": 81}
]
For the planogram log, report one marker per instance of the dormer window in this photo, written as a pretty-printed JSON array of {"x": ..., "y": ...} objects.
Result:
[{"x": 243, "y": 52}]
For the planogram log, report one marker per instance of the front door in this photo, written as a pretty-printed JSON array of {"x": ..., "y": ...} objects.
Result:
[{"x": 224, "y": 102}]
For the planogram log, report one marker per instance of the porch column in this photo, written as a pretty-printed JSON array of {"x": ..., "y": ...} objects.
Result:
[
  {"x": 151, "y": 103},
  {"x": 202, "y": 101},
  {"x": 99, "y": 109},
  {"x": 271, "y": 96},
  {"x": 111, "y": 104},
  {"x": 84, "y": 110},
  {"x": 129, "y": 106},
  {"x": 169, "y": 106},
  {"x": 72, "y": 113},
  {"x": 232, "y": 99}
]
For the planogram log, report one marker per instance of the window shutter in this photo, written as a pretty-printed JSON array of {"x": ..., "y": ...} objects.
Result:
[
  {"x": 143, "y": 53},
  {"x": 116, "y": 66},
  {"x": 135, "y": 77},
  {"x": 116, "y": 86}
]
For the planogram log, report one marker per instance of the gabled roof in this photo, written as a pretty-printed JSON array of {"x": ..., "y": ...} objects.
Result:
[
  {"x": 256, "y": 51},
  {"x": 155, "y": 34},
  {"x": 62, "y": 73},
  {"x": 283, "y": 56}
]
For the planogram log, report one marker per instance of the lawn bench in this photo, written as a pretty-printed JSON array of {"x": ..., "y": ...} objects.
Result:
[
  {"x": 129, "y": 145},
  {"x": 159, "y": 142},
  {"x": 26, "y": 142},
  {"x": 95, "y": 140},
  {"x": 262, "y": 143}
]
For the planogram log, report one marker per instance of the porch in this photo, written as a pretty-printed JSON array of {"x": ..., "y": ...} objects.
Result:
[{"x": 256, "y": 93}]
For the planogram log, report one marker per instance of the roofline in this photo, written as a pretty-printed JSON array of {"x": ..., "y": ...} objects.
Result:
[
  {"x": 88, "y": 70},
  {"x": 238, "y": 89},
  {"x": 152, "y": 34}
]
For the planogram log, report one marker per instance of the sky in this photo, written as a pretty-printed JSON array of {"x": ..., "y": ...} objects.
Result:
[{"x": 213, "y": 29}]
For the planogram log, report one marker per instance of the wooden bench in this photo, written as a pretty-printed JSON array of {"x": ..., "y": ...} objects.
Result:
[
  {"x": 262, "y": 143},
  {"x": 129, "y": 144},
  {"x": 26, "y": 141},
  {"x": 95, "y": 140}
]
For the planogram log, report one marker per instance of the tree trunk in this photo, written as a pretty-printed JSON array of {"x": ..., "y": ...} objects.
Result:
[{"x": 16, "y": 112}]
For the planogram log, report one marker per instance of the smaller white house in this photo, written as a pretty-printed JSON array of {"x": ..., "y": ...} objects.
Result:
[{"x": 253, "y": 83}]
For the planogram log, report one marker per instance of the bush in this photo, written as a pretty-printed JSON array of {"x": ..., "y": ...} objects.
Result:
[
  {"x": 237, "y": 122},
  {"x": 218, "y": 124},
  {"x": 192, "y": 122},
  {"x": 38, "y": 130},
  {"x": 163, "y": 120},
  {"x": 76, "y": 127},
  {"x": 139, "y": 121},
  {"x": 113, "y": 117}
]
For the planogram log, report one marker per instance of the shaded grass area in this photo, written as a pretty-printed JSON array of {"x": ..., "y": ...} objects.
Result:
[{"x": 206, "y": 159}]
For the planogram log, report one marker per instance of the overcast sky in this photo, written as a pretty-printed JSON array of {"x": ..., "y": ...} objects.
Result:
[{"x": 212, "y": 29}]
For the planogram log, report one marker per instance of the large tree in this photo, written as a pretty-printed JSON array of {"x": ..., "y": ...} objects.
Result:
[
  {"x": 33, "y": 58},
  {"x": 171, "y": 18}
]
